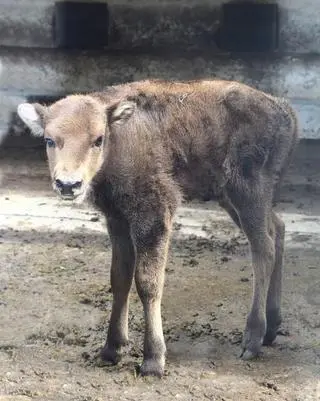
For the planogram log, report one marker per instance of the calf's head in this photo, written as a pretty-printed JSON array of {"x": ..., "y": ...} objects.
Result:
[{"x": 76, "y": 131}]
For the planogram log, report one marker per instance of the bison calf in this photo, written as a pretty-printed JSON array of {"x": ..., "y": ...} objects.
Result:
[{"x": 137, "y": 149}]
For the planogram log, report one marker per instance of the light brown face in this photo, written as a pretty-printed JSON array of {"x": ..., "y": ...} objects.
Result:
[{"x": 74, "y": 130}]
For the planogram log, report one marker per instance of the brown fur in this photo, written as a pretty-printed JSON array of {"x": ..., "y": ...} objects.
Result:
[{"x": 164, "y": 140}]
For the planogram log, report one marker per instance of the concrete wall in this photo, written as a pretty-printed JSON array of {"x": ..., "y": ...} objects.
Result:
[
  {"x": 171, "y": 39},
  {"x": 28, "y": 23}
]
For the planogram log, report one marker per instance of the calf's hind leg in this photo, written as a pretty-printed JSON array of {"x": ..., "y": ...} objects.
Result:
[
  {"x": 122, "y": 269},
  {"x": 252, "y": 202},
  {"x": 277, "y": 230}
]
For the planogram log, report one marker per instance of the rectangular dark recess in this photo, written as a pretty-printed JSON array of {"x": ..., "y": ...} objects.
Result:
[
  {"x": 79, "y": 25},
  {"x": 249, "y": 27},
  {"x": 45, "y": 99}
]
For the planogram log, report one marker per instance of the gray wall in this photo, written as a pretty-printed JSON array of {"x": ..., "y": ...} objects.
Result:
[{"x": 160, "y": 39}]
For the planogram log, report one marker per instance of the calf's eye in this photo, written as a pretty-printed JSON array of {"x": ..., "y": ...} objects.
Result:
[
  {"x": 49, "y": 142},
  {"x": 98, "y": 142}
]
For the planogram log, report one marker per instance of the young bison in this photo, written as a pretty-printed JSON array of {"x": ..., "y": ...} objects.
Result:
[{"x": 137, "y": 148}]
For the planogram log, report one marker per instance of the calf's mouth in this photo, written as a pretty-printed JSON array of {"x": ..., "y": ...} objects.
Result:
[{"x": 70, "y": 190}]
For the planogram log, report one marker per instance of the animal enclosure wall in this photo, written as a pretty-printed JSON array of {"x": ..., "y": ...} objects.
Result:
[{"x": 174, "y": 39}]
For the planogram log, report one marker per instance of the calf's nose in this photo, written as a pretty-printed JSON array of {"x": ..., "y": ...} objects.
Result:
[{"x": 67, "y": 188}]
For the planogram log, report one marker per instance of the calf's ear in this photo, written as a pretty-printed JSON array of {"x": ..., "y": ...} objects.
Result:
[
  {"x": 32, "y": 115},
  {"x": 121, "y": 112}
]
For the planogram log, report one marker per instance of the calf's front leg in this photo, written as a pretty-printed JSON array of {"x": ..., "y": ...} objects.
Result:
[
  {"x": 151, "y": 253},
  {"x": 122, "y": 270}
]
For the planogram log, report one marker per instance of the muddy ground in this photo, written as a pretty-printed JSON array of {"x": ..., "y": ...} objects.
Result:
[{"x": 55, "y": 299}]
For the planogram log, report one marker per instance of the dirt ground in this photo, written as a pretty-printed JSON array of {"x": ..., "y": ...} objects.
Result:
[{"x": 55, "y": 299}]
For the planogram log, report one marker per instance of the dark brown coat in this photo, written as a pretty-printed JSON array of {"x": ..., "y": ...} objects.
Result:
[{"x": 164, "y": 141}]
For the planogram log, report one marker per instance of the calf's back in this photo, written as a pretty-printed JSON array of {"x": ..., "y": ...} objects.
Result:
[{"x": 200, "y": 134}]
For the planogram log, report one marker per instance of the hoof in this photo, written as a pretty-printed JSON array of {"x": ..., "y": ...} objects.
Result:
[
  {"x": 253, "y": 336},
  {"x": 110, "y": 355},
  {"x": 247, "y": 355},
  {"x": 273, "y": 325},
  {"x": 251, "y": 347},
  {"x": 151, "y": 368},
  {"x": 270, "y": 337}
]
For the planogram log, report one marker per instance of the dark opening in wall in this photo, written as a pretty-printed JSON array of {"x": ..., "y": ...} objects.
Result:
[
  {"x": 80, "y": 25},
  {"x": 249, "y": 27}
]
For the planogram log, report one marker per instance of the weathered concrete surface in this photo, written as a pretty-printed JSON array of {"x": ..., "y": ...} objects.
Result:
[
  {"x": 25, "y": 72},
  {"x": 26, "y": 23},
  {"x": 181, "y": 23},
  {"x": 308, "y": 114},
  {"x": 309, "y": 118},
  {"x": 48, "y": 72},
  {"x": 169, "y": 28},
  {"x": 299, "y": 26}
]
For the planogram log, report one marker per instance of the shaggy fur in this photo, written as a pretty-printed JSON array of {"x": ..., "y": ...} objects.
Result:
[{"x": 163, "y": 141}]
